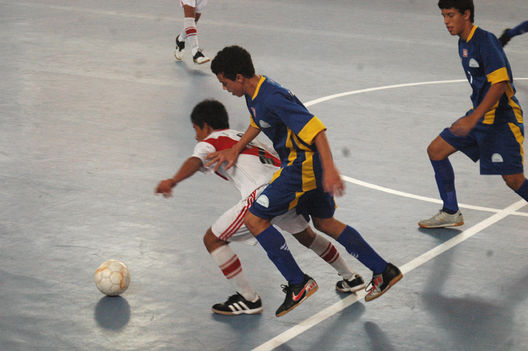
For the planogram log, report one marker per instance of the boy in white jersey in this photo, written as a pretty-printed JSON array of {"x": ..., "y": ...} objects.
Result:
[{"x": 250, "y": 175}]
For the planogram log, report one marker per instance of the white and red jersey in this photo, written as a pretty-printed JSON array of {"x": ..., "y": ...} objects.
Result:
[{"x": 255, "y": 165}]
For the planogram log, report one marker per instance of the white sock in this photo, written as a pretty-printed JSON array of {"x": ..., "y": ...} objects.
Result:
[
  {"x": 328, "y": 252},
  {"x": 191, "y": 33},
  {"x": 228, "y": 262}
]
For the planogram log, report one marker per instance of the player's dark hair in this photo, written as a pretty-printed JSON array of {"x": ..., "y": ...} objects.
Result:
[
  {"x": 233, "y": 60},
  {"x": 211, "y": 112},
  {"x": 460, "y": 5}
]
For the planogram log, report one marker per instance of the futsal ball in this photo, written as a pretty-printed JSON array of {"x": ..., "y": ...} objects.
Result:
[{"x": 112, "y": 277}]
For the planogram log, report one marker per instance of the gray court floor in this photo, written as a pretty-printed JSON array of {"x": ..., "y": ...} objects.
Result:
[{"x": 94, "y": 111}]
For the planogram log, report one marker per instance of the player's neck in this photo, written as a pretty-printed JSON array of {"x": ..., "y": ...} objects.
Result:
[
  {"x": 467, "y": 30},
  {"x": 252, "y": 84}
]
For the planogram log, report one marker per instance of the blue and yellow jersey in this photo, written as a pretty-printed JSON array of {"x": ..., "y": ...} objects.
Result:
[
  {"x": 485, "y": 63},
  {"x": 291, "y": 128}
]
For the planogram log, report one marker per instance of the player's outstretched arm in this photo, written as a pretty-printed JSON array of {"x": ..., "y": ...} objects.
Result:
[
  {"x": 229, "y": 156},
  {"x": 187, "y": 169},
  {"x": 464, "y": 125},
  {"x": 332, "y": 182}
]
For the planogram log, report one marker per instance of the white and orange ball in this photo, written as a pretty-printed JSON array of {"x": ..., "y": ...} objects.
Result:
[{"x": 112, "y": 277}]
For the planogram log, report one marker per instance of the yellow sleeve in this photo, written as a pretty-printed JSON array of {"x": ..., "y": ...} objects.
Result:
[
  {"x": 311, "y": 129},
  {"x": 497, "y": 76},
  {"x": 252, "y": 122}
]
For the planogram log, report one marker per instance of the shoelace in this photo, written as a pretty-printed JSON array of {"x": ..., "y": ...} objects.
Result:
[
  {"x": 231, "y": 299},
  {"x": 371, "y": 284},
  {"x": 285, "y": 288}
]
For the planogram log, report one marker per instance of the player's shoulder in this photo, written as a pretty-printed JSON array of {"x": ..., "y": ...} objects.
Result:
[
  {"x": 485, "y": 37},
  {"x": 223, "y": 138}
]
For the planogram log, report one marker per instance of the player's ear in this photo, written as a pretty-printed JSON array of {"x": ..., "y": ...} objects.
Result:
[
  {"x": 239, "y": 78},
  {"x": 467, "y": 14},
  {"x": 208, "y": 128}
]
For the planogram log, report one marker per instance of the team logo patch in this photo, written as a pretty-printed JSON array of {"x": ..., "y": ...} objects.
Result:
[
  {"x": 473, "y": 63},
  {"x": 254, "y": 112},
  {"x": 464, "y": 52},
  {"x": 263, "y": 201},
  {"x": 496, "y": 158},
  {"x": 264, "y": 124}
]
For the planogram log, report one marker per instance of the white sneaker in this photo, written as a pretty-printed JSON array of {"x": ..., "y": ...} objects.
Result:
[
  {"x": 180, "y": 49},
  {"x": 199, "y": 58},
  {"x": 443, "y": 219}
]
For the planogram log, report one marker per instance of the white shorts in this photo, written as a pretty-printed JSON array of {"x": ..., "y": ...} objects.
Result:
[
  {"x": 197, "y": 4},
  {"x": 230, "y": 226}
]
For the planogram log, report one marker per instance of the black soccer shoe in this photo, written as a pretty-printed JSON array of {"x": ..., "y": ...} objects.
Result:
[
  {"x": 237, "y": 304},
  {"x": 380, "y": 283},
  {"x": 504, "y": 38},
  {"x": 354, "y": 284},
  {"x": 296, "y": 294}
]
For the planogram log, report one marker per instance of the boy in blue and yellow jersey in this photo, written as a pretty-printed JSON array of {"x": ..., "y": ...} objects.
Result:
[
  {"x": 306, "y": 181},
  {"x": 492, "y": 131}
]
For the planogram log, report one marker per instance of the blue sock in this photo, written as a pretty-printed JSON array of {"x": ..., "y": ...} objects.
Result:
[
  {"x": 520, "y": 29},
  {"x": 523, "y": 190},
  {"x": 360, "y": 249},
  {"x": 273, "y": 242},
  {"x": 445, "y": 179}
]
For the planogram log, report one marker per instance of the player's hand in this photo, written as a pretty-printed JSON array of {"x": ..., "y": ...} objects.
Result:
[
  {"x": 227, "y": 156},
  {"x": 463, "y": 126},
  {"x": 332, "y": 182},
  {"x": 165, "y": 187}
]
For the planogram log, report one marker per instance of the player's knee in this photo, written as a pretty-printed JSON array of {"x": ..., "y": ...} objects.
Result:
[
  {"x": 211, "y": 241},
  {"x": 514, "y": 181},
  {"x": 255, "y": 224},
  {"x": 433, "y": 151},
  {"x": 321, "y": 225},
  {"x": 306, "y": 237}
]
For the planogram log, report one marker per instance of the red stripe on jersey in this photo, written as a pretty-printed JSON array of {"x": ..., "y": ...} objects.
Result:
[{"x": 223, "y": 143}]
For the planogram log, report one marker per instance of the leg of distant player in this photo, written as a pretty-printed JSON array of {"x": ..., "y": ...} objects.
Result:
[
  {"x": 190, "y": 33},
  {"x": 508, "y": 33},
  {"x": 449, "y": 216}
]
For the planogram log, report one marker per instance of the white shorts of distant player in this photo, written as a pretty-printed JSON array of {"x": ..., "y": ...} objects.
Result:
[
  {"x": 197, "y": 4},
  {"x": 230, "y": 226}
]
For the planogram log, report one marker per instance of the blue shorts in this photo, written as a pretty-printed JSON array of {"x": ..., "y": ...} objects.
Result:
[
  {"x": 283, "y": 194},
  {"x": 499, "y": 147}
]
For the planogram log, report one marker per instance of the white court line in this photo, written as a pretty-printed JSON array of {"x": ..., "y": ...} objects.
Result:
[
  {"x": 422, "y": 198},
  {"x": 406, "y": 268},
  {"x": 395, "y": 86},
  {"x": 409, "y": 266}
]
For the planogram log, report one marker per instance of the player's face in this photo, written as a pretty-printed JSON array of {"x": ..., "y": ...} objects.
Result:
[
  {"x": 201, "y": 133},
  {"x": 455, "y": 21},
  {"x": 235, "y": 87}
]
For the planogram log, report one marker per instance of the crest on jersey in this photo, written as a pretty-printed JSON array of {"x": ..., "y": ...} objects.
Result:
[
  {"x": 263, "y": 201},
  {"x": 473, "y": 63},
  {"x": 496, "y": 158},
  {"x": 254, "y": 112},
  {"x": 465, "y": 52},
  {"x": 263, "y": 124}
]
